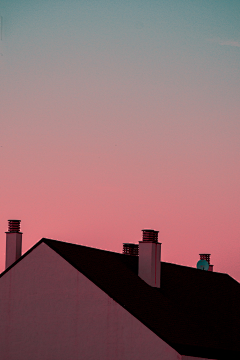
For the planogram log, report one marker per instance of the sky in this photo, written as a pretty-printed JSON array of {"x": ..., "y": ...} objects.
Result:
[{"x": 117, "y": 116}]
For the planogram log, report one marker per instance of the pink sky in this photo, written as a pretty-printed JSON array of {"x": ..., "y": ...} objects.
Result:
[{"x": 118, "y": 117}]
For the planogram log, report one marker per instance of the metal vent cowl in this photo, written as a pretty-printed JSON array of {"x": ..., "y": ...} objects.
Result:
[{"x": 14, "y": 226}]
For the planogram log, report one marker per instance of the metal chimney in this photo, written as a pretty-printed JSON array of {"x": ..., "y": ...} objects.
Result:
[
  {"x": 149, "y": 263},
  {"x": 13, "y": 242}
]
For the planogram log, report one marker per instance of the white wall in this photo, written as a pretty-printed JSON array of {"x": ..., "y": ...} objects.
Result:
[{"x": 51, "y": 311}]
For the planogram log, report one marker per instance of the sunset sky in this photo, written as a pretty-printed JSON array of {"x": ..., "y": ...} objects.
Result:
[{"x": 117, "y": 116}]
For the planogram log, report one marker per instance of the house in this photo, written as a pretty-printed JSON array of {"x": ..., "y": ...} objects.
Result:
[{"x": 62, "y": 301}]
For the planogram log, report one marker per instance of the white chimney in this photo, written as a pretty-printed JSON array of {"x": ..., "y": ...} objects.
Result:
[
  {"x": 149, "y": 261},
  {"x": 13, "y": 242}
]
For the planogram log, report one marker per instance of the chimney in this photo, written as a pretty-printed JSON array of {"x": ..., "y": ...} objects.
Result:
[
  {"x": 130, "y": 249},
  {"x": 13, "y": 242},
  {"x": 149, "y": 262},
  {"x": 207, "y": 258}
]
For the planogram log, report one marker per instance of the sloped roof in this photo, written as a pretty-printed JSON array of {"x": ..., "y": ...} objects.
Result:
[{"x": 196, "y": 312}]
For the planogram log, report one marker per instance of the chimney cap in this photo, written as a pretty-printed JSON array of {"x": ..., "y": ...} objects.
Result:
[
  {"x": 151, "y": 230},
  {"x": 150, "y": 235},
  {"x": 205, "y": 257},
  {"x": 130, "y": 249},
  {"x": 14, "y": 226}
]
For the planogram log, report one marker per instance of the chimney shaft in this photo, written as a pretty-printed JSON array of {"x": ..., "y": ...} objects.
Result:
[
  {"x": 13, "y": 242},
  {"x": 149, "y": 262}
]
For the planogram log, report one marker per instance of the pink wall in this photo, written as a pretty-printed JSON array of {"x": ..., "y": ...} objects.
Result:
[{"x": 51, "y": 311}]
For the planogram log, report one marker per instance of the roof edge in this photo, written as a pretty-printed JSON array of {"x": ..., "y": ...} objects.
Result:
[{"x": 22, "y": 257}]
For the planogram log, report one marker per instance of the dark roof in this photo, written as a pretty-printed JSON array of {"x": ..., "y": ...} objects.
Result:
[{"x": 196, "y": 312}]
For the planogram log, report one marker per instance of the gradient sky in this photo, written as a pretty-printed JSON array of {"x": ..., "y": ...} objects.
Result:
[{"x": 121, "y": 115}]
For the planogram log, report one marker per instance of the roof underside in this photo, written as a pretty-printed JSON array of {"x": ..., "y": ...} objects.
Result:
[{"x": 196, "y": 312}]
